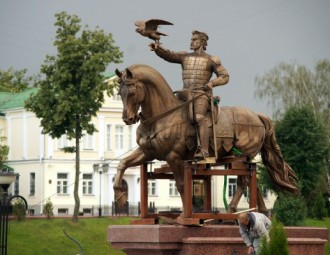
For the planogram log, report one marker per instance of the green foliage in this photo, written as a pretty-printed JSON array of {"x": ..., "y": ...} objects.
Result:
[
  {"x": 73, "y": 89},
  {"x": 19, "y": 210},
  {"x": 264, "y": 249},
  {"x": 319, "y": 210},
  {"x": 278, "y": 244},
  {"x": 16, "y": 80},
  {"x": 4, "y": 150},
  {"x": 48, "y": 209},
  {"x": 305, "y": 147},
  {"x": 41, "y": 236},
  {"x": 288, "y": 85},
  {"x": 290, "y": 209}
]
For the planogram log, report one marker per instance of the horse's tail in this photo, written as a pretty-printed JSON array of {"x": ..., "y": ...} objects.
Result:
[{"x": 279, "y": 171}]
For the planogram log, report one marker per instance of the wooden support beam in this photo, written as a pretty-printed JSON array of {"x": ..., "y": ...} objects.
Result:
[
  {"x": 144, "y": 190},
  {"x": 187, "y": 199},
  {"x": 241, "y": 166},
  {"x": 207, "y": 193},
  {"x": 253, "y": 189}
]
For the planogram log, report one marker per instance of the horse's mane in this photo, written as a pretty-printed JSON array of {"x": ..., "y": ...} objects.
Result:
[{"x": 151, "y": 76}]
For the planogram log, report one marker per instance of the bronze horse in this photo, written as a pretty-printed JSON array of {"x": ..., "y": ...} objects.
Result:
[{"x": 166, "y": 133}]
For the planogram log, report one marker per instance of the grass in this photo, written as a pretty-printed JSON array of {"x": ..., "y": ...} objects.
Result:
[
  {"x": 321, "y": 223},
  {"x": 46, "y": 237}
]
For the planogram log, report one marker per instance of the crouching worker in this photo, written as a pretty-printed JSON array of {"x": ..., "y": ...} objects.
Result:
[{"x": 252, "y": 227}]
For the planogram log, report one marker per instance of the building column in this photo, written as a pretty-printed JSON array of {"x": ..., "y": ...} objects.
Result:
[{"x": 101, "y": 136}]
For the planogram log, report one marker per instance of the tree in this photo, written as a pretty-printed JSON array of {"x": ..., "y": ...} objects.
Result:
[
  {"x": 289, "y": 85},
  {"x": 304, "y": 144},
  {"x": 72, "y": 91},
  {"x": 16, "y": 80},
  {"x": 294, "y": 85}
]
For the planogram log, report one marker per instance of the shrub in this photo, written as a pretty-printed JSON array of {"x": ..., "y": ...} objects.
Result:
[
  {"x": 290, "y": 209},
  {"x": 264, "y": 249},
  {"x": 278, "y": 244},
  {"x": 48, "y": 209},
  {"x": 19, "y": 210},
  {"x": 319, "y": 211}
]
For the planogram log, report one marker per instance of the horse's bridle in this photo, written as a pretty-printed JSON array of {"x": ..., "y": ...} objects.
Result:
[{"x": 128, "y": 83}]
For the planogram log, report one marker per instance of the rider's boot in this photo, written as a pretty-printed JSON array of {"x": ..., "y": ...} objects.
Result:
[{"x": 203, "y": 131}]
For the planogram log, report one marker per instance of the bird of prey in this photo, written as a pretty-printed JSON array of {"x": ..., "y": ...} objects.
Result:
[{"x": 149, "y": 28}]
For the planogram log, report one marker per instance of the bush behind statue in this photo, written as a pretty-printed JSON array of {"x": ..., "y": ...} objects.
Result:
[{"x": 290, "y": 209}]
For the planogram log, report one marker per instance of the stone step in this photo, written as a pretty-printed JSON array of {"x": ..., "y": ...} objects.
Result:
[{"x": 236, "y": 246}]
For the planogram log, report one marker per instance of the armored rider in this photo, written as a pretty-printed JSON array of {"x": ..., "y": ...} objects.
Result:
[{"x": 197, "y": 70}]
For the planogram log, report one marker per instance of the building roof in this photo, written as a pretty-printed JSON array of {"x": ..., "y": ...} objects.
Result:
[
  {"x": 10, "y": 100},
  {"x": 14, "y": 100}
]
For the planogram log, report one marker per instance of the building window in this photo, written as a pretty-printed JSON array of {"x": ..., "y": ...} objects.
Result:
[
  {"x": 232, "y": 186},
  {"x": 88, "y": 142},
  {"x": 87, "y": 210},
  {"x": 152, "y": 188},
  {"x": 116, "y": 97},
  {"x": 62, "y": 210},
  {"x": 16, "y": 185},
  {"x": 62, "y": 183},
  {"x": 172, "y": 189},
  {"x": 108, "y": 137},
  {"x": 119, "y": 143},
  {"x": 62, "y": 142},
  {"x": 32, "y": 184},
  {"x": 264, "y": 192},
  {"x": 87, "y": 184}
]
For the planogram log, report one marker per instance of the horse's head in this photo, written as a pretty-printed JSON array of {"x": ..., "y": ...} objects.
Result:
[{"x": 132, "y": 94}]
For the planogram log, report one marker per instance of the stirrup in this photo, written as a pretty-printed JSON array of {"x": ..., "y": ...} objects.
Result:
[{"x": 200, "y": 154}]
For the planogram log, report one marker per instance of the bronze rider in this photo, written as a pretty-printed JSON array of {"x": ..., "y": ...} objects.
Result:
[{"x": 197, "y": 70}]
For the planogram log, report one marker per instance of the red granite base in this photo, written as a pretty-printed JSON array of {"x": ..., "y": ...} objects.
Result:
[{"x": 210, "y": 239}]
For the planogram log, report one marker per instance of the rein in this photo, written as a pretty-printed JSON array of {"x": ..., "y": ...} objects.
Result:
[{"x": 164, "y": 114}]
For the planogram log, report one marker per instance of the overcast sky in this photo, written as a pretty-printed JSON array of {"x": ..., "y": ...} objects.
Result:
[{"x": 249, "y": 36}]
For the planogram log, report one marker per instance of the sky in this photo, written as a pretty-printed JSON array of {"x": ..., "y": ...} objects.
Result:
[{"x": 249, "y": 36}]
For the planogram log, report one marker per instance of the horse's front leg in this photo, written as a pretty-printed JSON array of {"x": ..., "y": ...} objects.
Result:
[
  {"x": 136, "y": 158},
  {"x": 175, "y": 162}
]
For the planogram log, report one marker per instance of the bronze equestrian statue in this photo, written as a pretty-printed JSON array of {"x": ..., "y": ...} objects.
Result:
[
  {"x": 166, "y": 133},
  {"x": 167, "y": 129}
]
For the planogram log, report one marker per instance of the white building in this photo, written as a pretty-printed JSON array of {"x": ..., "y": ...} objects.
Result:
[{"x": 46, "y": 172}]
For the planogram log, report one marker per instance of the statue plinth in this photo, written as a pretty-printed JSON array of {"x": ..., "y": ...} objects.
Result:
[{"x": 209, "y": 239}]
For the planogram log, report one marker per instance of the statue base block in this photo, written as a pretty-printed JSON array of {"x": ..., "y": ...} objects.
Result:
[{"x": 209, "y": 239}]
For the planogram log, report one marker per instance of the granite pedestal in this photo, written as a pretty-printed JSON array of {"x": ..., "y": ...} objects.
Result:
[{"x": 209, "y": 239}]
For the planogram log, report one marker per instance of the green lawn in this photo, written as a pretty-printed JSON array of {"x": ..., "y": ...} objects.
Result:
[{"x": 46, "y": 237}]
